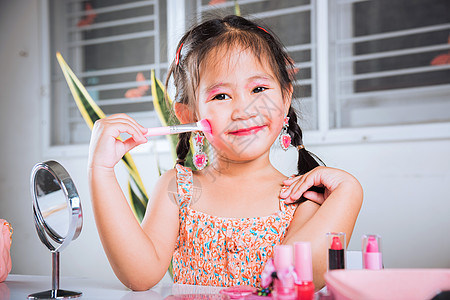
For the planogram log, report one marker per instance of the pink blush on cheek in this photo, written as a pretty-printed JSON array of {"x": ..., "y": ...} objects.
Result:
[{"x": 210, "y": 136}]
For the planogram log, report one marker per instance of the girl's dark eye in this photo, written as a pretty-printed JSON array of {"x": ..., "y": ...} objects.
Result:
[
  {"x": 221, "y": 97},
  {"x": 259, "y": 89}
]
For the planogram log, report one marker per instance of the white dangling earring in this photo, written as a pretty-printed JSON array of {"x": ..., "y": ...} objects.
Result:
[
  {"x": 285, "y": 138},
  {"x": 200, "y": 158}
]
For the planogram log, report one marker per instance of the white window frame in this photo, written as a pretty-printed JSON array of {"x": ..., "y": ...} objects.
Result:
[
  {"x": 61, "y": 151},
  {"x": 324, "y": 135}
]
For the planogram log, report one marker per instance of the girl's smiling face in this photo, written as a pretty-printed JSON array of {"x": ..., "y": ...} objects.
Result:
[{"x": 241, "y": 97}]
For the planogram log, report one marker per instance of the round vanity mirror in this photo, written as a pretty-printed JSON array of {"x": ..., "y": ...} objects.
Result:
[{"x": 57, "y": 216}]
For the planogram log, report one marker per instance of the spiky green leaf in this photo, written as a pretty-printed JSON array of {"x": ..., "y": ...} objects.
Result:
[{"x": 91, "y": 112}]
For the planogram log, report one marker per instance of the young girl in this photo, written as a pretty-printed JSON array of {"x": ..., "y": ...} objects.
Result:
[{"x": 237, "y": 75}]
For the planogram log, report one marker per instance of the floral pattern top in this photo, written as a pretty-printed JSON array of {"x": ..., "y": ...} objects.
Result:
[{"x": 219, "y": 251}]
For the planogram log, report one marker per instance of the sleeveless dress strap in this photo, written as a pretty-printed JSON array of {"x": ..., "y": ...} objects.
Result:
[
  {"x": 184, "y": 185},
  {"x": 283, "y": 204}
]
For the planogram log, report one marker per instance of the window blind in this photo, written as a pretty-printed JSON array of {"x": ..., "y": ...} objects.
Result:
[
  {"x": 391, "y": 64},
  {"x": 294, "y": 23},
  {"x": 111, "y": 46}
]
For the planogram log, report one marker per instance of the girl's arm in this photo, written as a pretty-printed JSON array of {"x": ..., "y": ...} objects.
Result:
[
  {"x": 338, "y": 212},
  {"x": 138, "y": 257}
]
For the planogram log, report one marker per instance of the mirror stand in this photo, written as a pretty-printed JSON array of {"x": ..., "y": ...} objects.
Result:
[
  {"x": 55, "y": 292},
  {"x": 57, "y": 217}
]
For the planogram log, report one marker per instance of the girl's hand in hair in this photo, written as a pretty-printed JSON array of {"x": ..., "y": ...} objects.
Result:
[
  {"x": 329, "y": 179},
  {"x": 105, "y": 149}
]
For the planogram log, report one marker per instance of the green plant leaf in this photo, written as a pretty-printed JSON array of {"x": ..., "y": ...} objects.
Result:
[
  {"x": 163, "y": 109},
  {"x": 91, "y": 112},
  {"x": 237, "y": 8},
  {"x": 136, "y": 203}
]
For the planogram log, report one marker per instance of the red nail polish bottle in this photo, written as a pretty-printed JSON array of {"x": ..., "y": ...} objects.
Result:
[{"x": 303, "y": 268}]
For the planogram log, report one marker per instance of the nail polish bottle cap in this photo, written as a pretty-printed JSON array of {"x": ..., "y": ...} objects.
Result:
[
  {"x": 336, "y": 240},
  {"x": 371, "y": 252},
  {"x": 282, "y": 257},
  {"x": 303, "y": 261},
  {"x": 336, "y": 250},
  {"x": 371, "y": 243}
]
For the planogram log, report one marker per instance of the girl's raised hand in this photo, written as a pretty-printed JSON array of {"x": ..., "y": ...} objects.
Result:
[
  {"x": 105, "y": 149},
  {"x": 328, "y": 178}
]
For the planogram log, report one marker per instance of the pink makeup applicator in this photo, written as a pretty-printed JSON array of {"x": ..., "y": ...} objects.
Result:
[{"x": 202, "y": 125}]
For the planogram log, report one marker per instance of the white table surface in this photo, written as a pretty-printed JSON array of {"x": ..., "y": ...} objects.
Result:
[{"x": 20, "y": 286}]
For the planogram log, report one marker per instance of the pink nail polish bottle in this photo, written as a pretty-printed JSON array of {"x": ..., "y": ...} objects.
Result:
[
  {"x": 304, "y": 271},
  {"x": 284, "y": 285}
]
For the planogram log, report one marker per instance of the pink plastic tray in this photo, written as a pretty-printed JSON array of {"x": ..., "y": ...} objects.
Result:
[{"x": 421, "y": 284}]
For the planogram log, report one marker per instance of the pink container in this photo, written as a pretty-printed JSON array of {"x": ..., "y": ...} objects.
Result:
[
  {"x": 5, "y": 248},
  {"x": 408, "y": 284}
]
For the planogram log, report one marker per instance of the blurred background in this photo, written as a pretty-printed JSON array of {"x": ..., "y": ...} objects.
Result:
[{"x": 373, "y": 93}]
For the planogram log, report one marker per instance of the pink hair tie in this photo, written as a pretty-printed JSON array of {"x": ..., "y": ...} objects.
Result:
[{"x": 177, "y": 57}]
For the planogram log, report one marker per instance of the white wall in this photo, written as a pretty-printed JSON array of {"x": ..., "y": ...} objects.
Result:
[
  {"x": 406, "y": 183},
  {"x": 406, "y": 198},
  {"x": 19, "y": 135}
]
